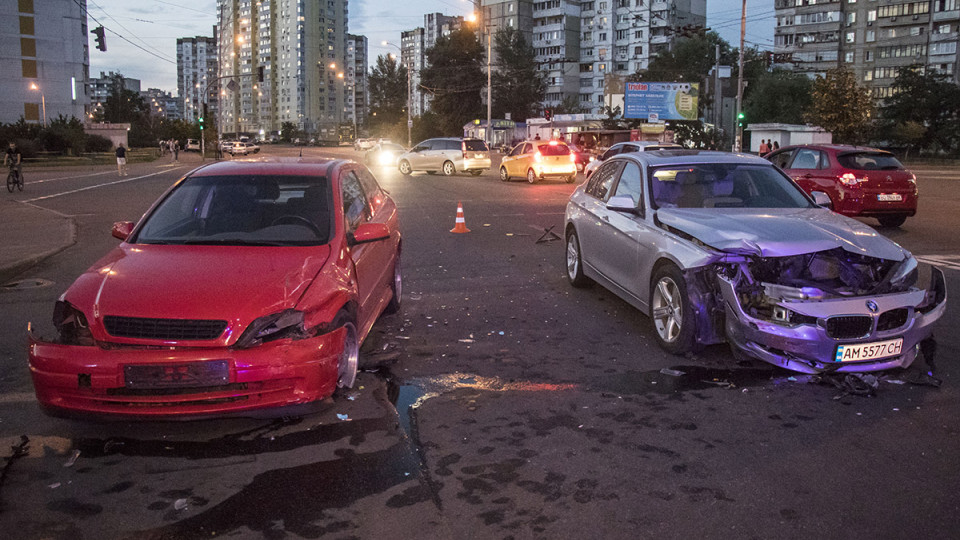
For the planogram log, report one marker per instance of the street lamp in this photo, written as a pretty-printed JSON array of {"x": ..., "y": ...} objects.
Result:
[
  {"x": 474, "y": 18},
  {"x": 409, "y": 117},
  {"x": 43, "y": 102}
]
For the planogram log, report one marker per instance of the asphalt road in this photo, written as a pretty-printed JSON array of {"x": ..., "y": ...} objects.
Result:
[{"x": 499, "y": 403}]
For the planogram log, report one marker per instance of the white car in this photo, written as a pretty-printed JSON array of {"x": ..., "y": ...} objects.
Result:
[
  {"x": 623, "y": 148},
  {"x": 364, "y": 144},
  {"x": 192, "y": 144},
  {"x": 243, "y": 148}
]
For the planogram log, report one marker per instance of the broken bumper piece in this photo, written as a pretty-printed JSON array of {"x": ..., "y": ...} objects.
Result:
[{"x": 837, "y": 334}]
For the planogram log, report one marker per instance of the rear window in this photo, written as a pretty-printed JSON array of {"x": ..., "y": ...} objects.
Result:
[
  {"x": 870, "y": 161},
  {"x": 475, "y": 145},
  {"x": 554, "y": 149}
]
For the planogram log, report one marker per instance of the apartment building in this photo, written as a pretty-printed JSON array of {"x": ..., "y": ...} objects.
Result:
[
  {"x": 357, "y": 101},
  {"x": 283, "y": 61},
  {"x": 413, "y": 52},
  {"x": 874, "y": 39},
  {"x": 44, "y": 58},
  {"x": 163, "y": 104},
  {"x": 197, "y": 82},
  {"x": 98, "y": 89}
]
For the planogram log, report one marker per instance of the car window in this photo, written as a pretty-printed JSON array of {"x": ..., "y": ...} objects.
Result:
[
  {"x": 870, "y": 161},
  {"x": 355, "y": 208},
  {"x": 808, "y": 158},
  {"x": 780, "y": 159},
  {"x": 527, "y": 148},
  {"x": 630, "y": 183},
  {"x": 601, "y": 180},
  {"x": 447, "y": 144},
  {"x": 517, "y": 150},
  {"x": 724, "y": 185},
  {"x": 630, "y": 148},
  {"x": 612, "y": 151},
  {"x": 475, "y": 145},
  {"x": 371, "y": 189}
]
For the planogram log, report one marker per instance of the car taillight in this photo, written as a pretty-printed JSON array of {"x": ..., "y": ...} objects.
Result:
[
  {"x": 850, "y": 179},
  {"x": 538, "y": 157},
  {"x": 573, "y": 157},
  {"x": 912, "y": 179},
  {"x": 463, "y": 150}
]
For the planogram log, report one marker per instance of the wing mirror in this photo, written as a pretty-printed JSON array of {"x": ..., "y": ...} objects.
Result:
[
  {"x": 822, "y": 199},
  {"x": 122, "y": 229},
  {"x": 368, "y": 232},
  {"x": 624, "y": 203}
]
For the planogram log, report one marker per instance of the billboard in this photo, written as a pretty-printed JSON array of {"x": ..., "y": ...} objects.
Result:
[{"x": 656, "y": 101}]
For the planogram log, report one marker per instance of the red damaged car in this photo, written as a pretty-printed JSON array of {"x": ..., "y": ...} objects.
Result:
[
  {"x": 860, "y": 181},
  {"x": 248, "y": 285}
]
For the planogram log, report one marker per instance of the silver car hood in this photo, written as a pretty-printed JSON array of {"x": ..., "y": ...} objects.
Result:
[{"x": 779, "y": 232}]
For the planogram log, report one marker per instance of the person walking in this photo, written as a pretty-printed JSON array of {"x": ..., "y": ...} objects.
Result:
[
  {"x": 776, "y": 146},
  {"x": 175, "y": 145},
  {"x": 121, "y": 160},
  {"x": 764, "y": 147}
]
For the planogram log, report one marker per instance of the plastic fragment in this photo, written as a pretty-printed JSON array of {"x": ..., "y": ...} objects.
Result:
[
  {"x": 351, "y": 398},
  {"x": 180, "y": 505},
  {"x": 792, "y": 379},
  {"x": 465, "y": 340},
  {"x": 54, "y": 485},
  {"x": 343, "y": 416},
  {"x": 500, "y": 332},
  {"x": 73, "y": 459},
  {"x": 672, "y": 372}
]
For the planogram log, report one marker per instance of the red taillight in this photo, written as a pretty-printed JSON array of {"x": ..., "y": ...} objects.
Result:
[
  {"x": 850, "y": 179},
  {"x": 538, "y": 157},
  {"x": 463, "y": 149}
]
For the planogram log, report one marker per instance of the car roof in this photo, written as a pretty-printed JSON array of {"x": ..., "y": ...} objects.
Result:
[
  {"x": 657, "y": 158},
  {"x": 279, "y": 166},
  {"x": 838, "y": 148}
]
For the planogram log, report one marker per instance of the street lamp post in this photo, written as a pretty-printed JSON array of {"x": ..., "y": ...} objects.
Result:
[
  {"x": 43, "y": 102},
  {"x": 409, "y": 117}
]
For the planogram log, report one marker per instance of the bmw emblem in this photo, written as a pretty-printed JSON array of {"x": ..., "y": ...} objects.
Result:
[{"x": 872, "y": 306}]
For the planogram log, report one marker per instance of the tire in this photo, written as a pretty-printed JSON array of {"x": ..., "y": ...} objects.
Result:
[
  {"x": 672, "y": 315},
  {"x": 504, "y": 175},
  {"x": 349, "y": 359},
  {"x": 572, "y": 178},
  {"x": 531, "y": 176},
  {"x": 448, "y": 168},
  {"x": 405, "y": 168},
  {"x": 11, "y": 181},
  {"x": 396, "y": 287},
  {"x": 892, "y": 220},
  {"x": 574, "y": 261}
]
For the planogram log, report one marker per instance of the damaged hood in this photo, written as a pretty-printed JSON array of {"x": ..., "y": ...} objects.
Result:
[
  {"x": 203, "y": 282},
  {"x": 779, "y": 232}
]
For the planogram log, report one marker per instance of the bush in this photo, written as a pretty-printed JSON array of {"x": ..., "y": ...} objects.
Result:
[
  {"x": 28, "y": 148},
  {"x": 97, "y": 143}
]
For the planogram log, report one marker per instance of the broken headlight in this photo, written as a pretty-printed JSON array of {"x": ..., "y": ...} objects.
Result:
[
  {"x": 285, "y": 324},
  {"x": 71, "y": 325},
  {"x": 905, "y": 275}
]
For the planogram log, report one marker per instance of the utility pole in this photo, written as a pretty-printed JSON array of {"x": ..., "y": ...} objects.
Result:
[
  {"x": 717, "y": 92},
  {"x": 489, "y": 95},
  {"x": 738, "y": 142}
]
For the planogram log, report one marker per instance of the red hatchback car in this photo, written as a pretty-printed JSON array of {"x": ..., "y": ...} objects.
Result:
[
  {"x": 248, "y": 285},
  {"x": 860, "y": 181}
]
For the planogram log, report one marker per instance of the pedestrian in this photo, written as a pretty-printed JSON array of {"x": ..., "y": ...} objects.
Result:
[
  {"x": 537, "y": 138},
  {"x": 121, "y": 160},
  {"x": 163, "y": 148},
  {"x": 764, "y": 147},
  {"x": 176, "y": 149},
  {"x": 776, "y": 146}
]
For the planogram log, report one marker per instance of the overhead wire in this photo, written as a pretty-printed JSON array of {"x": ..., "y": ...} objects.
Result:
[{"x": 114, "y": 32}]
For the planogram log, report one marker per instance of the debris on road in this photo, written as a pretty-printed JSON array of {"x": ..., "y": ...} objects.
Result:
[
  {"x": 672, "y": 372},
  {"x": 343, "y": 417},
  {"x": 180, "y": 505},
  {"x": 73, "y": 459}
]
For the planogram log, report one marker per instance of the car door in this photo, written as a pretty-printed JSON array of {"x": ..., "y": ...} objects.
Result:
[
  {"x": 509, "y": 161},
  {"x": 593, "y": 236},
  {"x": 419, "y": 156},
  {"x": 369, "y": 259},
  {"x": 628, "y": 238},
  {"x": 522, "y": 160}
]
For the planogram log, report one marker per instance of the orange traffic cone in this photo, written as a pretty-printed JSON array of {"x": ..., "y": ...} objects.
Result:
[{"x": 461, "y": 224}]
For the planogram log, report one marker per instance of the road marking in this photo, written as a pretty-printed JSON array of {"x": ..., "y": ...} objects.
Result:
[
  {"x": 94, "y": 187},
  {"x": 68, "y": 177},
  {"x": 946, "y": 261}
]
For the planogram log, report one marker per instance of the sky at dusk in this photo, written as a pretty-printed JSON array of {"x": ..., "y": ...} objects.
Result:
[{"x": 155, "y": 25}]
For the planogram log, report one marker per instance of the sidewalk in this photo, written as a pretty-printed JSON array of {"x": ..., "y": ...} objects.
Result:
[{"x": 31, "y": 233}]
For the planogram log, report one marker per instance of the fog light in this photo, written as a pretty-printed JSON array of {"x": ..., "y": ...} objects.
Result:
[{"x": 781, "y": 314}]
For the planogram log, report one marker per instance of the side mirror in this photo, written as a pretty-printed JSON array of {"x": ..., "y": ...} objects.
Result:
[
  {"x": 122, "y": 229},
  {"x": 624, "y": 203},
  {"x": 368, "y": 232},
  {"x": 822, "y": 199}
]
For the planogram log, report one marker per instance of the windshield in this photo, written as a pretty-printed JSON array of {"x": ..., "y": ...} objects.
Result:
[
  {"x": 869, "y": 161},
  {"x": 723, "y": 185},
  {"x": 243, "y": 210}
]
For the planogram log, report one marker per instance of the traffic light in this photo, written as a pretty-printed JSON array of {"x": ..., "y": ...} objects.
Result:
[
  {"x": 740, "y": 119},
  {"x": 101, "y": 39},
  {"x": 204, "y": 113},
  {"x": 547, "y": 114}
]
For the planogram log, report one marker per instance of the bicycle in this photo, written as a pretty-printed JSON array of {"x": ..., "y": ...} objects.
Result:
[{"x": 14, "y": 178}]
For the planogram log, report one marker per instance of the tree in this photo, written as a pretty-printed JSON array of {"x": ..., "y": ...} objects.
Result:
[
  {"x": 778, "y": 96},
  {"x": 122, "y": 105},
  {"x": 569, "y": 105},
  {"x": 388, "y": 93},
  {"x": 518, "y": 86},
  {"x": 689, "y": 60},
  {"x": 454, "y": 79},
  {"x": 841, "y": 106},
  {"x": 923, "y": 98}
]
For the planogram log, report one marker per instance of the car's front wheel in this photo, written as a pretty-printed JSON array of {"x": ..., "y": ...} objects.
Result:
[
  {"x": 405, "y": 168},
  {"x": 572, "y": 178},
  {"x": 892, "y": 220},
  {"x": 350, "y": 356},
  {"x": 671, "y": 311},
  {"x": 448, "y": 169},
  {"x": 575, "y": 261}
]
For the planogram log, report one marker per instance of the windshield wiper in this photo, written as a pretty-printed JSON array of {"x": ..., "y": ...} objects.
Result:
[{"x": 232, "y": 242}]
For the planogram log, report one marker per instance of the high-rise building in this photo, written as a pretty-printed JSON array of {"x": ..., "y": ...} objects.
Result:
[
  {"x": 163, "y": 104},
  {"x": 100, "y": 88},
  {"x": 197, "y": 82},
  {"x": 282, "y": 61},
  {"x": 875, "y": 41},
  {"x": 44, "y": 59},
  {"x": 357, "y": 72},
  {"x": 414, "y": 45}
]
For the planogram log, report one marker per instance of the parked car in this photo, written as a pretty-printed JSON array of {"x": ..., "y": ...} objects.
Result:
[
  {"x": 383, "y": 154},
  {"x": 447, "y": 155},
  {"x": 243, "y": 148},
  {"x": 623, "y": 148},
  {"x": 192, "y": 144},
  {"x": 582, "y": 156},
  {"x": 248, "y": 285},
  {"x": 364, "y": 144},
  {"x": 718, "y": 247},
  {"x": 860, "y": 181},
  {"x": 537, "y": 160}
]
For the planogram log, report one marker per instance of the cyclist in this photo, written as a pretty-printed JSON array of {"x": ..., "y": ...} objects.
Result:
[{"x": 13, "y": 158}]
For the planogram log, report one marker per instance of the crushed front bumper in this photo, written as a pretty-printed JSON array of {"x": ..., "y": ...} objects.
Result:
[
  {"x": 809, "y": 348},
  {"x": 105, "y": 381}
]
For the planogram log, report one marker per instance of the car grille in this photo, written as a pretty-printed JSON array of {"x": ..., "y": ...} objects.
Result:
[
  {"x": 848, "y": 327},
  {"x": 893, "y": 319},
  {"x": 186, "y": 329}
]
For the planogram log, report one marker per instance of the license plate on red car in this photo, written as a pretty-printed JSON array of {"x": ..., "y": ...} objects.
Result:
[
  {"x": 869, "y": 351},
  {"x": 889, "y": 197},
  {"x": 186, "y": 375}
]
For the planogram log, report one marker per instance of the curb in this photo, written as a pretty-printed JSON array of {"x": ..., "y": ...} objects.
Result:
[{"x": 10, "y": 271}]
